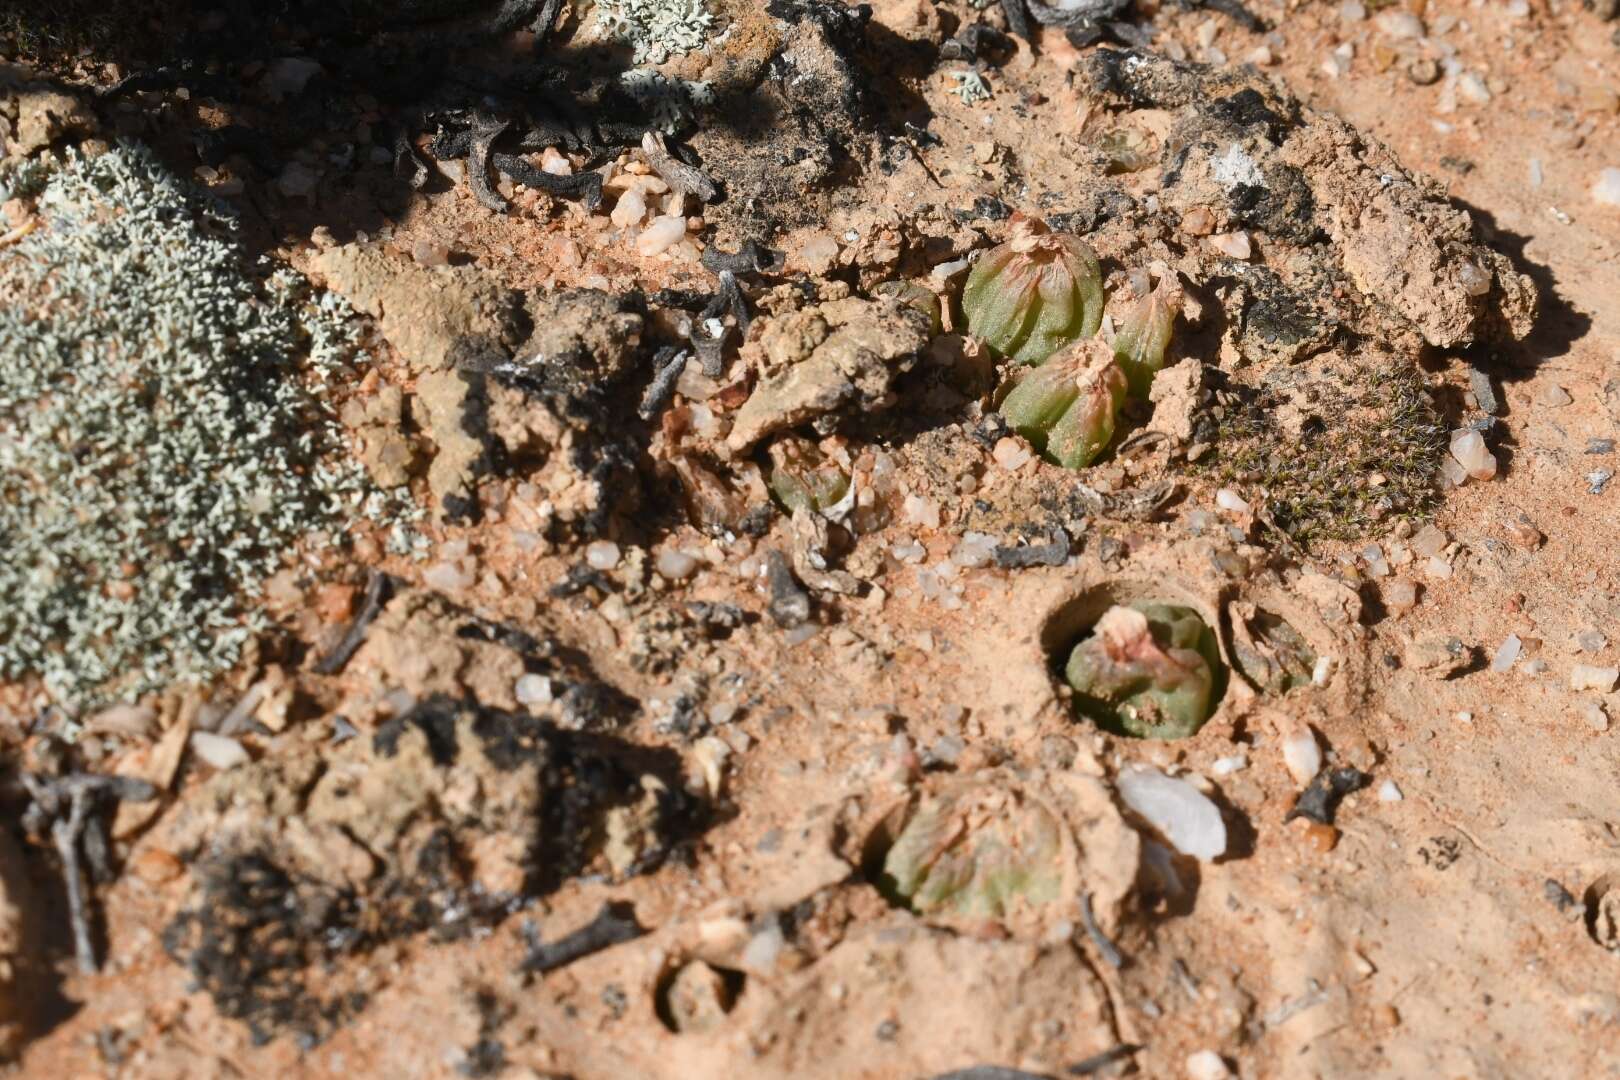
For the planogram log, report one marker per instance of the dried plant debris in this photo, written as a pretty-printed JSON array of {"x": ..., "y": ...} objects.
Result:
[
  {"x": 1320, "y": 799},
  {"x": 163, "y": 435},
  {"x": 304, "y": 858}
]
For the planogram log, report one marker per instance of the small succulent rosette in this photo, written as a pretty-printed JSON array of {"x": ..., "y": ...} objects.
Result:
[
  {"x": 1066, "y": 407},
  {"x": 1144, "y": 336},
  {"x": 1148, "y": 670},
  {"x": 1034, "y": 294},
  {"x": 803, "y": 478}
]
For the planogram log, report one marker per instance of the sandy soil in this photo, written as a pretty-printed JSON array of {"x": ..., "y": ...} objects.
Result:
[{"x": 1452, "y": 932}]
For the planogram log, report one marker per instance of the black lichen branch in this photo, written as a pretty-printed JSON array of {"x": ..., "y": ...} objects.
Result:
[
  {"x": 378, "y": 588},
  {"x": 614, "y": 924},
  {"x": 73, "y": 810},
  {"x": 476, "y": 146},
  {"x": 668, "y": 363}
]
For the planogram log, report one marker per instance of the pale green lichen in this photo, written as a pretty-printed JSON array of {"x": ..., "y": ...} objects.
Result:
[
  {"x": 163, "y": 439},
  {"x": 656, "y": 29}
]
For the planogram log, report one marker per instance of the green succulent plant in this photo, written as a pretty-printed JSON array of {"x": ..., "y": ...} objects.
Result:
[
  {"x": 1148, "y": 670},
  {"x": 1144, "y": 336},
  {"x": 977, "y": 852},
  {"x": 1034, "y": 294},
  {"x": 1067, "y": 406},
  {"x": 803, "y": 478}
]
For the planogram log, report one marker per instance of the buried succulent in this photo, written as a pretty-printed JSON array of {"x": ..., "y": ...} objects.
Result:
[
  {"x": 1034, "y": 294},
  {"x": 803, "y": 478},
  {"x": 1066, "y": 407},
  {"x": 1148, "y": 670},
  {"x": 978, "y": 851}
]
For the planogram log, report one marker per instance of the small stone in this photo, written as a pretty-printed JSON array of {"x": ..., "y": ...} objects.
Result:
[
  {"x": 554, "y": 163},
  {"x": 218, "y": 751},
  {"x": 1593, "y": 713},
  {"x": 1401, "y": 25},
  {"x": 1199, "y": 221},
  {"x": 602, "y": 555},
  {"x": 1400, "y": 596},
  {"x": 1227, "y": 765},
  {"x": 974, "y": 550},
  {"x": 1389, "y": 791},
  {"x": 1523, "y": 533},
  {"x": 921, "y": 511},
  {"x": 1472, "y": 89},
  {"x": 1591, "y": 641},
  {"x": 1592, "y": 677},
  {"x": 1430, "y": 540},
  {"x": 1207, "y": 1064},
  {"x": 532, "y": 689},
  {"x": 430, "y": 254},
  {"x": 1233, "y": 503},
  {"x": 818, "y": 252},
  {"x": 1234, "y": 245},
  {"x": 1302, "y": 755},
  {"x": 1324, "y": 838},
  {"x": 630, "y": 210},
  {"x": 1554, "y": 397},
  {"x": 1468, "y": 448},
  {"x": 673, "y": 564},
  {"x": 1352, "y": 11},
  {"x": 1507, "y": 653},
  {"x": 663, "y": 234},
  {"x": 1424, "y": 72},
  {"x": 1186, "y": 817},
  {"x": 448, "y": 577},
  {"x": 1606, "y": 188},
  {"x": 1011, "y": 453},
  {"x": 1438, "y": 569}
]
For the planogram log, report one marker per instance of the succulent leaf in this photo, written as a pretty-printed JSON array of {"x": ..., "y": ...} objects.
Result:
[{"x": 1144, "y": 335}]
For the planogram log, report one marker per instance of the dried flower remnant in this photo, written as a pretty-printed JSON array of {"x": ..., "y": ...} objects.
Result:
[
  {"x": 803, "y": 478},
  {"x": 1066, "y": 407},
  {"x": 1148, "y": 670},
  {"x": 979, "y": 852},
  {"x": 1144, "y": 336},
  {"x": 1034, "y": 294}
]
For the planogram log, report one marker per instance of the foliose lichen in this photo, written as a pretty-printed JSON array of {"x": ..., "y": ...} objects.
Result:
[
  {"x": 163, "y": 437},
  {"x": 656, "y": 29}
]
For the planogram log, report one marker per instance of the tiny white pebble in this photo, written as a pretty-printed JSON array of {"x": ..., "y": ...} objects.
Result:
[
  {"x": 602, "y": 554},
  {"x": 663, "y": 234},
  {"x": 1232, "y": 502},
  {"x": 1227, "y": 765},
  {"x": 675, "y": 565},
  {"x": 1606, "y": 189},
  {"x": 1207, "y": 1065},
  {"x": 533, "y": 690},
  {"x": 1389, "y": 791},
  {"x": 218, "y": 751},
  {"x": 1592, "y": 677},
  {"x": 1302, "y": 755}
]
